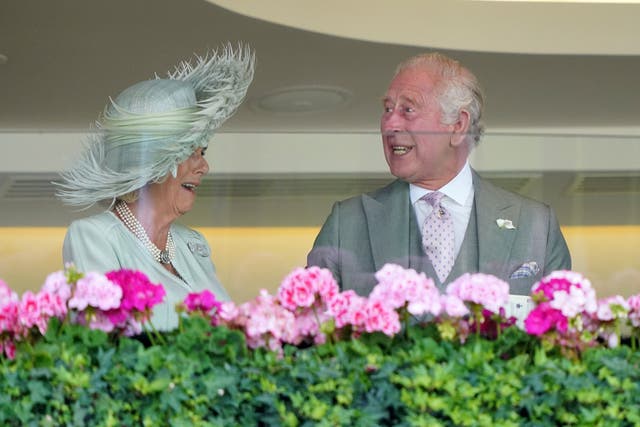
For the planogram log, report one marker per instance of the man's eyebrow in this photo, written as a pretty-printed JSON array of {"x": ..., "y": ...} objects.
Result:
[{"x": 401, "y": 98}]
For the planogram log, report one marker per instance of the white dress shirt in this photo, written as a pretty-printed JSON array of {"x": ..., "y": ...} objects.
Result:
[{"x": 458, "y": 201}]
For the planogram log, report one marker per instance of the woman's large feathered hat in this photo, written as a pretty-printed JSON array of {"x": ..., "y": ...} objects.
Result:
[{"x": 154, "y": 125}]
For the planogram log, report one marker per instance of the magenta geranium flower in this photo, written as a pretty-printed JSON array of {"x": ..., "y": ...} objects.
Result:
[
  {"x": 138, "y": 293},
  {"x": 204, "y": 301}
]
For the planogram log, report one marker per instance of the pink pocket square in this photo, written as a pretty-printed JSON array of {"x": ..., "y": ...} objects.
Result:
[{"x": 528, "y": 269}]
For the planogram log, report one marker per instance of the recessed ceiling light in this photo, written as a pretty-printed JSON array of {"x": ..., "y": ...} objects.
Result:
[{"x": 302, "y": 99}]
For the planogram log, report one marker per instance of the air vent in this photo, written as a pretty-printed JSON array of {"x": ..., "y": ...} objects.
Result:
[
  {"x": 606, "y": 183},
  {"x": 514, "y": 183},
  {"x": 288, "y": 186},
  {"x": 21, "y": 187}
]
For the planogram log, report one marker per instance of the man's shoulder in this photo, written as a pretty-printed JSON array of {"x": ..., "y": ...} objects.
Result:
[
  {"x": 380, "y": 194},
  {"x": 485, "y": 188}
]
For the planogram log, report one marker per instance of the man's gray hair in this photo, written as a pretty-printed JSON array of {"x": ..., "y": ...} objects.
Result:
[{"x": 456, "y": 89}]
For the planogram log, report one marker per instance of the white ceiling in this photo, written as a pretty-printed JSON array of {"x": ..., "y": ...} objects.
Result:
[
  {"x": 577, "y": 73},
  {"x": 66, "y": 57}
]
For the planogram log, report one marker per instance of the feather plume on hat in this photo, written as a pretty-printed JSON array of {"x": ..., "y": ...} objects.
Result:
[{"x": 154, "y": 125}]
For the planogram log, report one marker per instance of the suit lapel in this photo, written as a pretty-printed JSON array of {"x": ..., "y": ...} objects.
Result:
[
  {"x": 494, "y": 244},
  {"x": 387, "y": 213}
]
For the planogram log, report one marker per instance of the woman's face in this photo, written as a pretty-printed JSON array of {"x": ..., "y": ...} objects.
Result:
[{"x": 177, "y": 195}]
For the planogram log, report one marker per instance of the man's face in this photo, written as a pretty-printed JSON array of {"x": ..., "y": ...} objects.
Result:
[{"x": 416, "y": 144}]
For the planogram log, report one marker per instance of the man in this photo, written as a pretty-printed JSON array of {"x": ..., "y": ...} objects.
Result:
[{"x": 430, "y": 123}]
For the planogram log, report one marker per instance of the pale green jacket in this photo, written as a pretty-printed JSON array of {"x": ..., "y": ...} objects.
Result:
[{"x": 102, "y": 243}]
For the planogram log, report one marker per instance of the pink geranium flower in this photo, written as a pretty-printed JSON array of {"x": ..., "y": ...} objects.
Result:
[
  {"x": 347, "y": 308},
  {"x": 304, "y": 287},
  {"x": 381, "y": 317},
  {"x": 204, "y": 301}
]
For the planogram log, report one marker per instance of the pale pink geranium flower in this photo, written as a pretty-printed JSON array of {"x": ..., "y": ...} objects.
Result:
[
  {"x": 399, "y": 287},
  {"x": 485, "y": 290},
  {"x": 6, "y": 293},
  {"x": 452, "y": 306},
  {"x": 634, "y": 310},
  {"x": 609, "y": 313},
  {"x": 265, "y": 322},
  {"x": 307, "y": 326},
  {"x": 95, "y": 290},
  {"x": 56, "y": 284},
  {"x": 611, "y": 308},
  {"x": 228, "y": 311}
]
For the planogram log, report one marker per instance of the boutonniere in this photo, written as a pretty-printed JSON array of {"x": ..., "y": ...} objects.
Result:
[{"x": 505, "y": 224}]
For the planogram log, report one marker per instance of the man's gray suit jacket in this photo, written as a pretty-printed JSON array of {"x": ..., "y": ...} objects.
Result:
[{"x": 364, "y": 233}]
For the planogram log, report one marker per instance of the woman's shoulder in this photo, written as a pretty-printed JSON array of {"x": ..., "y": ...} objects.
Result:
[
  {"x": 185, "y": 232},
  {"x": 104, "y": 221}
]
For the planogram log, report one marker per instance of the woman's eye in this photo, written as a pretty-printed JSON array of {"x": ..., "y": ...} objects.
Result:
[{"x": 409, "y": 110}]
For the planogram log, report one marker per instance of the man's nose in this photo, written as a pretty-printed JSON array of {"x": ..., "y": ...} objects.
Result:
[{"x": 391, "y": 122}]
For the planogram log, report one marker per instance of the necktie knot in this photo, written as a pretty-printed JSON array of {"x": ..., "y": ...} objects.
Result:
[{"x": 433, "y": 198}]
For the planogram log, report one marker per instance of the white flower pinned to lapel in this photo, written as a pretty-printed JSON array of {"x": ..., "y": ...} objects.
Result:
[{"x": 505, "y": 224}]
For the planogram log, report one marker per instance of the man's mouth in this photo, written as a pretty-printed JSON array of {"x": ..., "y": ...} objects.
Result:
[{"x": 400, "y": 150}]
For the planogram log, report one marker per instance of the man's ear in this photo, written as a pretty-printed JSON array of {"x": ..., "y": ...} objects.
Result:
[{"x": 460, "y": 128}]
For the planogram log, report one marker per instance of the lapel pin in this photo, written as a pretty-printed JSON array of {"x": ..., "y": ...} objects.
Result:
[{"x": 505, "y": 224}]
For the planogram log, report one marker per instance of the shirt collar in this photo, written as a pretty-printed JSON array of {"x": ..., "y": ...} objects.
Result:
[{"x": 457, "y": 189}]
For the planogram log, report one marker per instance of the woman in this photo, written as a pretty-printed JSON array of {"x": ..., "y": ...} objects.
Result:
[{"x": 146, "y": 161}]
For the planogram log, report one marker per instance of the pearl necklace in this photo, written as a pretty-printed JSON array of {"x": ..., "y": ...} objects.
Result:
[{"x": 132, "y": 223}]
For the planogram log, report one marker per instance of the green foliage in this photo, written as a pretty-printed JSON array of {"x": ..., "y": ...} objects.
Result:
[{"x": 205, "y": 376}]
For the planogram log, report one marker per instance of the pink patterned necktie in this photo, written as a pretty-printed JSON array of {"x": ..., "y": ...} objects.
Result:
[{"x": 438, "y": 237}]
